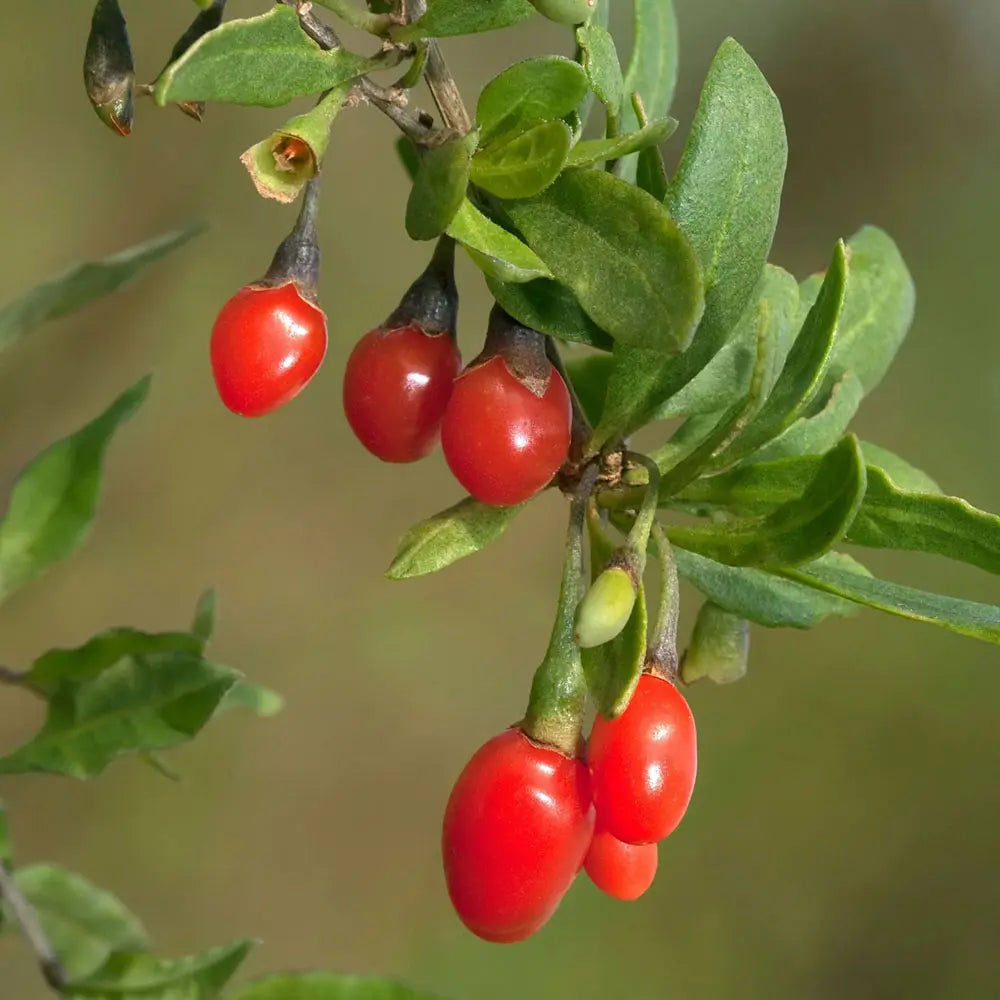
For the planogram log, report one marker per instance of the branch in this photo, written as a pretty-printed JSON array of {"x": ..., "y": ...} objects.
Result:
[{"x": 24, "y": 914}]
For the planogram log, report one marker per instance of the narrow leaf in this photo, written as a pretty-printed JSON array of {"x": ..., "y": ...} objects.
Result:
[
  {"x": 84, "y": 283},
  {"x": 439, "y": 188},
  {"x": 327, "y": 986},
  {"x": 621, "y": 254},
  {"x": 265, "y": 61},
  {"x": 204, "y": 617},
  {"x": 725, "y": 197},
  {"x": 83, "y": 923},
  {"x": 529, "y": 93},
  {"x": 798, "y": 531},
  {"x": 591, "y": 151},
  {"x": 980, "y": 621},
  {"x": 459, "y": 17},
  {"x": 6, "y": 844},
  {"x": 496, "y": 252},
  {"x": 600, "y": 61},
  {"x": 53, "y": 501},
  {"x": 551, "y": 308},
  {"x": 451, "y": 535}
]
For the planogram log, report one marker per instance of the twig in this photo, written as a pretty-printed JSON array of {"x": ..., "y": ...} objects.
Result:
[
  {"x": 445, "y": 91},
  {"x": 24, "y": 914}
]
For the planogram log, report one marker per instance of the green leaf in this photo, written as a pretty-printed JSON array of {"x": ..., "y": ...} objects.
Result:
[
  {"x": 604, "y": 71},
  {"x": 651, "y": 173},
  {"x": 725, "y": 197},
  {"x": 84, "y": 283},
  {"x": 262, "y": 701},
  {"x": 802, "y": 375},
  {"x": 652, "y": 69},
  {"x": 814, "y": 435},
  {"x": 327, "y": 986},
  {"x": 589, "y": 376},
  {"x": 760, "y": 596},
  {"x": 551, "y": 308},
  {"x": 147, "y": 702},
  {"x": 528, "y": 93},
  {"x": 197, "y": 977},
  {"x": 459, "y": 17},
  {"x": 799, "y": 530},
  {"x": 878, "y": 309},
  {"x": 53, "y": 501},
  {"x": 496, "y": 252},
  {"x": 613, "y": 668},
  {"x": 591, "y": 151},
  {"x": 525, "y": 164},
  {"x": 204, "y": 617},
  {"x": 766, "y": 327},
  {"x": 6, "y": 845},
  {"x": 627, "y": 262},
  {"x": 451, "y": 535},
  {"x": 83, "y": 923},
  {"x": 265, "y": 61},
  {"x": 439, "y": 188},
  {"x": 980, "y": 621},
  {"x": 904, "y": 475}
]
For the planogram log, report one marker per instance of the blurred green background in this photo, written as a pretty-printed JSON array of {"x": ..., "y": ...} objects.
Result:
[{"x": 842, "y": 841}]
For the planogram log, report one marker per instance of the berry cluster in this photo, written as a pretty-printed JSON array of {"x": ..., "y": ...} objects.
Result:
[
  {"x": 523, "y": 819},
  {"x": 504, "y": 421}
]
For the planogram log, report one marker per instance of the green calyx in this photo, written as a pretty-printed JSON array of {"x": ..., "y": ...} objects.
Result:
[
  {"x": 605, "y": 608},
  {"x": 720, "y": 646},
  {"x": 281, "y": 164},
  {"x": 565, "y": 11}
]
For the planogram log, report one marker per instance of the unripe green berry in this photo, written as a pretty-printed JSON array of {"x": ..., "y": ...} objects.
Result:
[
  {"x": 565, "y": 11},
  {"x": 605, "y": 608},
  {"x": 720, "y": 646}
]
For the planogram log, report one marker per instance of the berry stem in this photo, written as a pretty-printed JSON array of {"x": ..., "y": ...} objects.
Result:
[
  {"x": 559, "y": 689},
  {"x": 297, "y": 257},
  {"x": 27, "y": 919},
  {"x": 638, "y": 536},
  {"x": 661, "y": 655},
  {"x": 580, "y": 429},
  {"x": 431, "y": 302}
]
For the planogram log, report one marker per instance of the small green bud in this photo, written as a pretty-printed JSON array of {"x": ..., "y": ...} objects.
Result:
[
  {"x": 108, "y": 69},
  {"x": 565, "y": 11},
  {"x": 605, "y": 608},
  {"x": 720, "y": 645}
]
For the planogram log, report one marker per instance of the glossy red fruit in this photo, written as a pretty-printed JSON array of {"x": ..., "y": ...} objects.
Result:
[
  {"x": 622, "y": 870},
  {"x": 516, "y": 829},
  {"x": 396, "y": 386},
  {"x": 643, "y": 764},
  {"x": 501, "y": 441},
  {"x": 267, "y": 343}
]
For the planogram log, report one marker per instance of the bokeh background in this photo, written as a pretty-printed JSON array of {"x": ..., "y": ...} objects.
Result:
[{"x": 842, "y": 841}]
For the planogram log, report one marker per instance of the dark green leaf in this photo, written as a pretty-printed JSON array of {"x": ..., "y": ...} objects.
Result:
[
  {"x": 451, "y": 535},
  {"x": 141, "y": 703},
  {"x": 761, "y": 596},
  {"x": 589, "y": 375},
  {"x": 592, "y": 151},
  {"x": 496, "y": 252},
  {"x": 652, "y": 69},
  {"x": 624, "y": 258},
  {"x": 459, "y": 17},
  {"x": 981, "y": 621},
  {"x": 266, "y": 61},
  {"x": 52, "y": 504},
  {"x": 551, "y": 308},
  {"x": 878, "y": 309},
  {"x": 799, "y": 530},
  {"x": 197, "y": 977},
  {"x": 802, "y": 375},
  {"x": 83, "y": 923},
  {"x": 408, "y": 155},
  {"x": 327, "y": 986},
  {"x": 6, "y": 847},
  {"x": 204, "y": 618},
  {"x": 651, "y": 173},
  {"x": 814, "y": 435},
  {"x": 600, "y": 61},
  {"x": 725, "y": 197},
  {"x": 439, "y": 188},
  {"x": 613, "y": 668},
  {"x": 84, "y": 283},
  {"x": 904, "y": 475},
  {"x": 525, "y": 164},
  {"x": 528, "y": 93}
]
